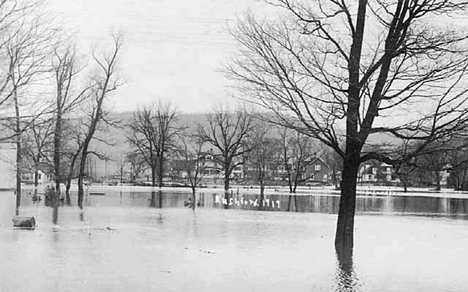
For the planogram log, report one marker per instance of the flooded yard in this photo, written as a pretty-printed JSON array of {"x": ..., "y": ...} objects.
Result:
[{"x": 143, "y": 241}]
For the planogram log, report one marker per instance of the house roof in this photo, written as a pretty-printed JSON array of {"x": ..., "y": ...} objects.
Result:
[
  {"x": 317, "y": 159},
  {"x": 368, "y": 170}
]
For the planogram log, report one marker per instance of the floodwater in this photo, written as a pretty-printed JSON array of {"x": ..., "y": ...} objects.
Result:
[{"x": 139, "y": 241}]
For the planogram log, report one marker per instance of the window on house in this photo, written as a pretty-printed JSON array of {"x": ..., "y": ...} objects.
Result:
[
  {"x": 39, "y": 176},
  {"x": 318, "y": 167}
]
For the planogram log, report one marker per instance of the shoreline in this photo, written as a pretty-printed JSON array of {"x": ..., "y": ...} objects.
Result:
[{"x": 366, "y": 191}]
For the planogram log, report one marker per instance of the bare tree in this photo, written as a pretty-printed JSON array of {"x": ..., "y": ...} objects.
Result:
[
  {"x": 335, "y": 162},
  {"x": 103, "y": 84},
  {"x": 26, "y": 41},
  {"x": 153, "y": 133},
  {"x": 121, "y": 172},
  {"x": 70, "y": 152},
  {"x": 65, "y": 67},
  {"x": 143, "y": 138},
  {"x": 347, "y": 70},
  {"x": 404, "y": 172},
  {"x": 168, "y": 131},
  {"x": 193, "y": 163},
  {"x": 37, "y": 144},
  {"x": 440, "y": 156},
  {"x": 458, "y": 162},
  {"x": 264, "y": 149},
  {"x": 297, "y": 152},
  {"x": 137, "y": 164},
  {"x": 26, "y": 48},
  {"x": 434, "y": 162},
  {"x": 228, "y": 133}
]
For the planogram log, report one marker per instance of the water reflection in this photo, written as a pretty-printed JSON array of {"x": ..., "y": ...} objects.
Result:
[
  {"x": 159, "y": 202},
  {"x": 295, "y": 206},
  {"x": 227, "y": 199},
  {"x": 153, "y": 199},
  {"x": 195, "y": 224},
  {"x": 160, "y": 219},
  {"x": 346, "y": 278},
  {"x": 456, "y": 208},
  {"x": 271, "y": 251},
  {"x": 396, "y": 205},
  {"x": 55, "y": 214}
]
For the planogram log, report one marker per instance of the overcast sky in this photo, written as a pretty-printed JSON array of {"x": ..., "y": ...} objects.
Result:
[{"x": 173, "y": 48}]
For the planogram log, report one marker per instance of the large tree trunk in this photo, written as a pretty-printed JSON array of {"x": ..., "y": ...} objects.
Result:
[
  {"x": 347, "y": 278},
  {"x": 67, "y": 191},
  {"x": 296, "y": 182},
  {"x": 404, "y": 180},
  {"x": 69, "y": 178},
  {"x": 345, "y": 225},
  {"x": 57, "y": 150},
  {"x": 153, "y": 199},
  {"x": 290, "y": 183},
  {"x": 36, "y": 176},
  {"x": 121, "y": 175},
  {"x": 354, "y": 141},
  {"x": 160, "y": 171},
  {"x": 262, "y": 194},
  {"x": 293, "y": 196},
  {"x": 437, "y": 177},
  {"x": 160, "y": 197},
  {"x": 80, "y": 176},
  {"x": 227, "y": 173},
  {"x": 194, "y": 197},
  {"x": 226, "y": 178},
  {"x": 18, "y": 152},
  {"x": 153, "y": 176}
]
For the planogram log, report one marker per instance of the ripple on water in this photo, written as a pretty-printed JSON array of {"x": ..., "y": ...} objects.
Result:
[{"x": 114, "y": 246}]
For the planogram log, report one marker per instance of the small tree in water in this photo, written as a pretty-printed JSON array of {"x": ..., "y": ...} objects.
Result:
[
  {"x": 297, "y": 152},
  {"x": 342, "y": 71},
  {"x": 194, "y": 164},
  {"x": 104, "y": 83},
  {"x": 262, "y": 156},
  {"x": 227, "y": 133},
  {"x": 153, "y": 134}
]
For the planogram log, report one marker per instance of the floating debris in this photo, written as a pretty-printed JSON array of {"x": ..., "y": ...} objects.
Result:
[
  {"x": 206, "y": 251},
  {"x": 24, "y": 222}
]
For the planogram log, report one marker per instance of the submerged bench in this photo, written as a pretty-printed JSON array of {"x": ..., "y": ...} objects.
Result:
[{"x": 24, "y": 222}]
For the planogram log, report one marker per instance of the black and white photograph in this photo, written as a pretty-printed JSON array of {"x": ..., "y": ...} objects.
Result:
[{"x": 233, "y": 145}]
